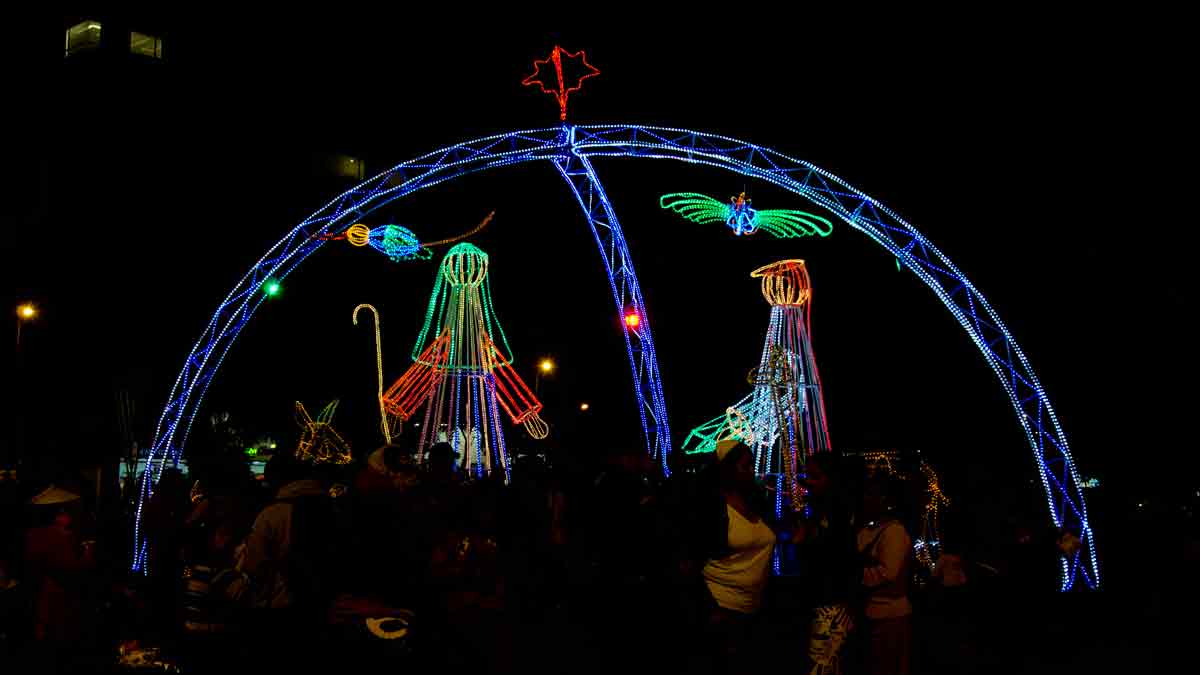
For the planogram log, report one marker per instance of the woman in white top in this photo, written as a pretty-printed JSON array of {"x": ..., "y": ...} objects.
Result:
[{"x": 739, "y": 556}]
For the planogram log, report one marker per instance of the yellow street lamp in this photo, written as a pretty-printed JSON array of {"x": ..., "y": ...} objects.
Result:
[
  {"x": 545, "y": 367},
  {"x": 25, "y": 312},
  {"x": 584, "y": 407}
]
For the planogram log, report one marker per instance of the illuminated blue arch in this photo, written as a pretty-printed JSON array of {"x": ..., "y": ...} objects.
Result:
[{"x": 571, "y": 148}]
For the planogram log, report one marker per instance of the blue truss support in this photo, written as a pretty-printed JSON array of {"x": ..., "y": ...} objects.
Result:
[
  {"x": 627, "y": 295},
  {"x": 571, "y": 149}
]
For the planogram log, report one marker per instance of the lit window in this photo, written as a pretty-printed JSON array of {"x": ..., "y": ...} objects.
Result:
[
  {"x": 81, "y": 36},
  {"x": 350, "y": 167},
  {"x": 145, "y": 45}
]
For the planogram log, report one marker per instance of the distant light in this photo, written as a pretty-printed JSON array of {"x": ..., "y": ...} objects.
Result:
[
  {"x": 26, "y": 311},
  {"x": 272, "y": 446},
  {"x": 633, "y": 320},
  {"x": 584, "y": 406},
  {"x": 546, "y": 365},
  {"x": 272, "y": 288}
]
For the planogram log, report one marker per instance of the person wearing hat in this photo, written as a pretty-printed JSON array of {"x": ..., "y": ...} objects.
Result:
[
  {"x": 57, "y": 562},
  {"x": 739, "y": 545},
  {"x": 391, "y": 467}
]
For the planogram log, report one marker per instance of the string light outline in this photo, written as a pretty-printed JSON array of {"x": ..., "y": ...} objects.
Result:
[
  {"x": 563, "y": 92},
  {"x": 319, "y": 443},
  {"x": 383, "y": 421},
  {"x": 783, "y": 419},
  {"x": 461, "y": 360},
  {"x": 742, "y": 218}
]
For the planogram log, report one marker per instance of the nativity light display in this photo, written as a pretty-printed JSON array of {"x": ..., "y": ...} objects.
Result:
[
  {"x": 782, "y": 419},
  {"x": 462, "y": 371},
  {"x": 571, "y": 149}
]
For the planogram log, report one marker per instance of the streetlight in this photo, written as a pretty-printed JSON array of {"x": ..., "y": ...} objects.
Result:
[
  {"x": 25, "y": 312},
  {"x": 584, "y": 407},
  {"x": 545, "y": 366}
]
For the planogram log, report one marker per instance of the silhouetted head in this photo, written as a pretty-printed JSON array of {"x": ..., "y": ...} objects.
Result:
[
  {"x": 735, "y": 465},
  {"x": 824, "y": 475},
  {"x": 882, "y": 497},
  {"x": 442, "y": 458}
]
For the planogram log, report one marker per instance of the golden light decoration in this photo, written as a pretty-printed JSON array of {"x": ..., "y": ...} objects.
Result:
[
  {"x": 881, "y": 460},
  {"x": 739, "y": 426},
  {"x": 785, "y": 283},
  {"x": 383, "y": 423},
  {"x": 537, "y": 427},
  {"x": 931, "y": 528},
  {"x": 358, "y": 235},
  {"x": 319, "y": 443}
]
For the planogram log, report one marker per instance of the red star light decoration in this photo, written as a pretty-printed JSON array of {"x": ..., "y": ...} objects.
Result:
[{"x": 559, "y": 86}]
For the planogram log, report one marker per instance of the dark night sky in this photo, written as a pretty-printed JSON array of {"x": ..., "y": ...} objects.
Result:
[{"x": 1031, "y": 155}]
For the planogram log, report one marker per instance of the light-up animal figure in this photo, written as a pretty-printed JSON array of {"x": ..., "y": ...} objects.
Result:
[
  {"x": 462, "y": 371},
  {"x": 783, "y": 419},
  {"x": 742, "y": 218},
  {"x": 319, "y": 443}
]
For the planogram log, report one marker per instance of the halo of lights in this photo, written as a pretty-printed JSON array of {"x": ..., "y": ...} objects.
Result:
[
  {"x": 358, "y": 235},
  {"x": 571, "y": 148}
]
